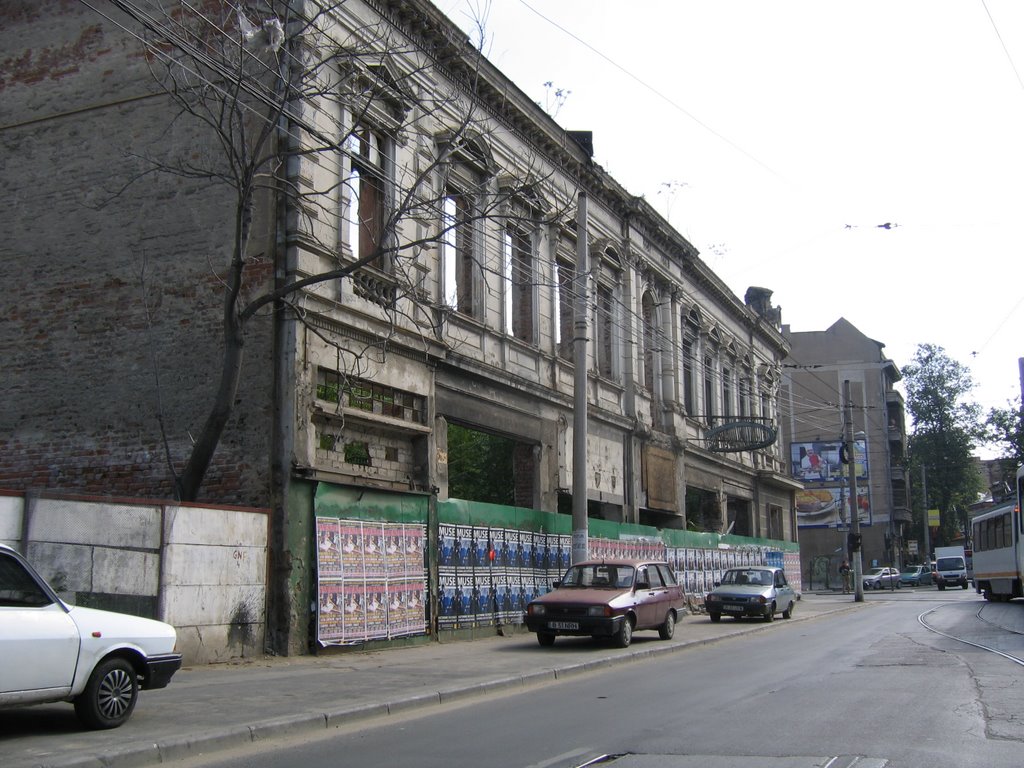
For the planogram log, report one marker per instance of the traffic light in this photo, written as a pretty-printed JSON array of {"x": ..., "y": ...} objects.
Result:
[{"x": 853, "y": 541}]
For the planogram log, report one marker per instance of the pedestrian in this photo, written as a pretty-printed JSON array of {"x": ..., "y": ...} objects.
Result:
[{"x": 844, "y": 571}]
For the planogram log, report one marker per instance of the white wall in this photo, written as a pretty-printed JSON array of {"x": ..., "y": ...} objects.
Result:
[{"x": 203, "y": 569}]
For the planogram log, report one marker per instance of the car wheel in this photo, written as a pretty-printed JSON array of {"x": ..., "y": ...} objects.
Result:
[
  {"x": 625, "y": 634},
  {"x": 716, "y": 617},
  {"x": 898, "y": 585},
  {"x": 668, "y": 629},
  {"x": 964, "y": 585},
  {"x": 770, "y": 614},
  {"x": 546, "y": 639},
  {"x": 942, "y": 587},
  {"x": 788, "y": 613},
  {"x": 878, "y": 585},
  {"x": 109, "y": 696}
]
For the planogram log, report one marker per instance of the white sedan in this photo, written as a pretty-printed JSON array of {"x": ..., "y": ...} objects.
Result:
[{"x": 50, "y": 651}]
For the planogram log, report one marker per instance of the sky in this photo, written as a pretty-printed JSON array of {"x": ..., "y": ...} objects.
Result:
[{"x": 860, "y": 158}]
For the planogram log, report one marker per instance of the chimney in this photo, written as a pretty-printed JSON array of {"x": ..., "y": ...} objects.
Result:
[
  {"x": 760, "y": 301},
  {"x": 585, "y": 139}
]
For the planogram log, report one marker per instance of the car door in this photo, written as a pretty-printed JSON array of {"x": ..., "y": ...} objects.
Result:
[
  {"x": 38, "y": 640},
  {"x": 673, "y": 596},
  {"x": 667, "y": 595},
  {"x": 784, "y": 594},
  {"x": 650, "y": 589}
]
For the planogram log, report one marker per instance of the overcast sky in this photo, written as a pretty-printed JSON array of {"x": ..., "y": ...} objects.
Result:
[{"x": 779, "y": 138}]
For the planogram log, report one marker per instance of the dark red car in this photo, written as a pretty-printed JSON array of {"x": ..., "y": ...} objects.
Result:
[{"x": 609, "y": 598}]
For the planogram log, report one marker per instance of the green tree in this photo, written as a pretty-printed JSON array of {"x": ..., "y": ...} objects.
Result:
[
  {"x": 1004, "y": 429},
  {"x": 947, "y": 426},
  {"x": 480, "y": 466}
]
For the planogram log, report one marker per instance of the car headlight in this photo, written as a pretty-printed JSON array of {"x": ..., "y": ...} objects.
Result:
[
  {"x": 535, "y": 610},
  {"x": 760, "y": 599},
  {"x": 713, "y": 598},
  {"x": 599, "y": 610}
]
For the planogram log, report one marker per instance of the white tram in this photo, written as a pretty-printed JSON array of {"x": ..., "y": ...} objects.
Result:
[{"x": 999, "y": 549}]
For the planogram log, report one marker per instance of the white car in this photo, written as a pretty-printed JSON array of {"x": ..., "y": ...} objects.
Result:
[
  {"x": 760, "y": 591},
  {"x": 50, "y": 651}
]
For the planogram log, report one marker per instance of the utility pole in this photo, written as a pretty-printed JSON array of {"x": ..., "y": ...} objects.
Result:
[
  {"x": 851, "y": 466},
  {"x": 926, "y": 536},
  {"x": 580, "y": 545}
]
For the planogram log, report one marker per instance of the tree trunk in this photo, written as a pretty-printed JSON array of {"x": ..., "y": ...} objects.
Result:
[{"x": 190, "y": 480}]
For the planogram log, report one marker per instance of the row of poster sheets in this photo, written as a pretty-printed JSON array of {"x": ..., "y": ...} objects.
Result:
[
  {"x": 372, "y": 575},
  {"x": 488, "y": 576},
  {"x": 371, "y": 580}
]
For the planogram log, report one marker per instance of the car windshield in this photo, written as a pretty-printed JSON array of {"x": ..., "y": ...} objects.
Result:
[
  {"x": 949, "y": 563},
  {"x": 748, "y": 576},
  {"x": 599, "y": 575},
  {"x": 875, "y": 572},
  {"x": 912, "y": 570}
]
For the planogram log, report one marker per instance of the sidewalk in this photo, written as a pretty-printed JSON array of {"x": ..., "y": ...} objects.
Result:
[{"x": 208, "y": 708}]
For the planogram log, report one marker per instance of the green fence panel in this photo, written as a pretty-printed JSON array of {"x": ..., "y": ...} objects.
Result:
[
  {"x": 481, "y": 514},
  {"x": 359, "y": 504}
]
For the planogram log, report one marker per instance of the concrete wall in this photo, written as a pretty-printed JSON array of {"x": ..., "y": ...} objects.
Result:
[{"x": 201, "y": 569}]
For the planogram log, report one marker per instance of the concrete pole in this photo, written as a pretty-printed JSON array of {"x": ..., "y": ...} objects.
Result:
[
  {"x": 851, "y": 466},
  {"x": 580, "y": 545},
  {"x": 926, "y": 535}
]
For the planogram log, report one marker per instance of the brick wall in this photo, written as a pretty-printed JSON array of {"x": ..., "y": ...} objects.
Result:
[{"x": 111, "y": 287}]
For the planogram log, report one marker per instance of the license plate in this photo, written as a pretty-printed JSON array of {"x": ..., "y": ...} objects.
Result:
[
  {"x": 732, "y": 608},
  {"x": 563, "y": 625}
]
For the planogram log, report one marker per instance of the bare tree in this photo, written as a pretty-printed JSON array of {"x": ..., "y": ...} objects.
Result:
[{"x": 275, "y": 83}]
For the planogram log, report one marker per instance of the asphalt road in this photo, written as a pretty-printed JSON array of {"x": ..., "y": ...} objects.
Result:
[{"x": 870, "y": 688}]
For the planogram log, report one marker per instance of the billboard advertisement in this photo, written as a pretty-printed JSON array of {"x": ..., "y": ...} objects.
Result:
[
  {"x": 830, "y": 507},
  {"x": 821, "y": 462}
]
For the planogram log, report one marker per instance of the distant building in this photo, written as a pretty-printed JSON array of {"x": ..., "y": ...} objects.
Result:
[{"x": 811, "y": 417}]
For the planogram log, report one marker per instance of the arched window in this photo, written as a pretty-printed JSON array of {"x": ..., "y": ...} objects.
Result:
[
  {"x": 366, "y": 212},
  {"x": 690, "y": 336},
  {"x": 519, "y": 264},
  {"x": 566, "y": 288},
  {"x": 712, "y": 410},
  {"x": 606, "y": 321},
  {"x": 465, "y": 173},
  {"x": 650, "y": 336}
]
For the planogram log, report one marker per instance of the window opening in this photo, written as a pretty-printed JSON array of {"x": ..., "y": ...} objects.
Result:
[
  {"x": 367, "y": 195},
  {"x": 519, "y": 281}
]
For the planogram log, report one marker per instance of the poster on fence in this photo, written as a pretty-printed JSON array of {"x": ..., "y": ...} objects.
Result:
[{"x": 371, "y": 581}]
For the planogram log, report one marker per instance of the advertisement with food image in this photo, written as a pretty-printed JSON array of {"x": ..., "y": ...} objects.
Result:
[{"x": 829, "y": 508}]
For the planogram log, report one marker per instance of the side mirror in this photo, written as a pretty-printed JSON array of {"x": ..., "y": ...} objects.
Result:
[
  {"x": 643, "y": 584},
  {"x": 556, "y": 584}
]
